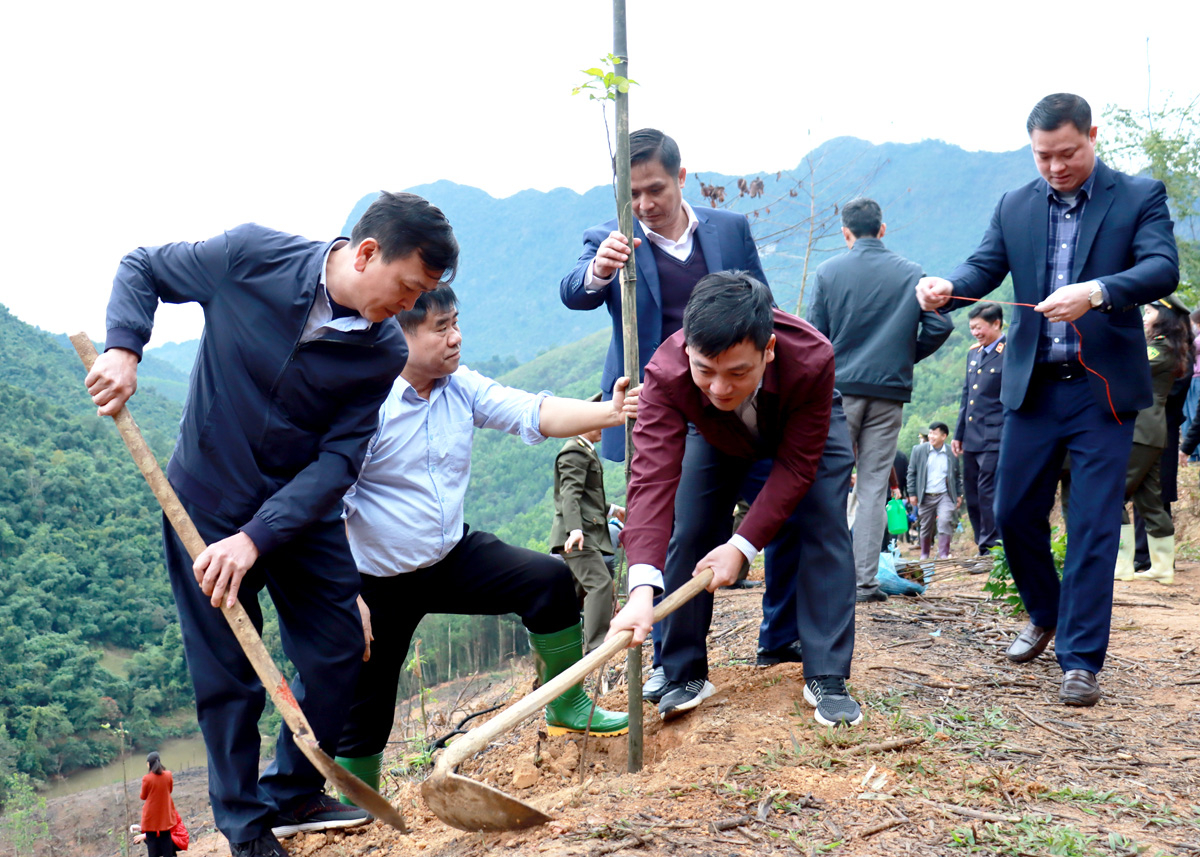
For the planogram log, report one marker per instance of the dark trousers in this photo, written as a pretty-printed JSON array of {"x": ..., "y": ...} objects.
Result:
[
  {"x": 313, "y": 584},
  {"x": 979, "y": 490},
  {"x": 159, "y": 843},
  {"x": 1061, "y": 417},
  {"x": 809, "y": 564},
  {"x": 480, "y": 576}
]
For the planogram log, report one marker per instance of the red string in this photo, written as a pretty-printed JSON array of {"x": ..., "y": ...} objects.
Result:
[{"x": 1078, "y": 333}]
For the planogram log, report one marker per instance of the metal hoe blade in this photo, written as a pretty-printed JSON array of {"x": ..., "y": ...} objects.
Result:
[{"x": 470, "y": 805}]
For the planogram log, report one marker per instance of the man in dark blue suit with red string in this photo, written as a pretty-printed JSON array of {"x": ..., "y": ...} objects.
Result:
[{"x": 1086, "y": 245}]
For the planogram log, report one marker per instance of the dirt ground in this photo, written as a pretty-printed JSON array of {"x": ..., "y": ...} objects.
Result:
[{"x": 960, "y": 752}]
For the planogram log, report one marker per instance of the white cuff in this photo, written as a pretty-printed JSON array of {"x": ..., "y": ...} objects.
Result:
[
  {"x": 748, "y": 550},
  {"x": 612, "y": 510},
  {"x": 591, "y": 282},
  {"x": 644, "y": 574}
]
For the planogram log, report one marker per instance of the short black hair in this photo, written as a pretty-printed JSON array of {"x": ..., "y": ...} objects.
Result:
[
  {"x": 863, "y": 217},
  {"x": 403, "y": 223},
  {"x": 942, "y": 427},
  {"x": 725, "y": 309},
  {"x": 989, "y": 311},
  {"x": 1056, "y": 110},
  {"x": 440, "y": 299},
  {"x": 649, "y": 144}
]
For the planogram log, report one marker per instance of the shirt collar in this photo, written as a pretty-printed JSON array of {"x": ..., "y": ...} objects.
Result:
[
  {"x": 402, "y": 388},
  {"x": 320, "y": 314},
  {"x": 585, "y": 442}
]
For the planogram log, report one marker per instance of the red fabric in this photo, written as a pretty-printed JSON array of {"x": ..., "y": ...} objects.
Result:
[
  {"x": 795, "y": 404},
  {"x": 179, "y": 834},
  {"x": 158, "y": 811}
]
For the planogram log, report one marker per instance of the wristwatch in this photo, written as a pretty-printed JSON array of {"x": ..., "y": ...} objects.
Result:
[{"x": 1096, "y": 295}]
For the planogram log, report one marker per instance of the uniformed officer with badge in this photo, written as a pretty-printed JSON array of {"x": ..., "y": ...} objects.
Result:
[{"x": 980, "y": 419}]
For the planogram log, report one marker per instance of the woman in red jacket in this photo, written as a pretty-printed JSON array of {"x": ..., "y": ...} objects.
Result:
[{"x": 158, "y": 811}]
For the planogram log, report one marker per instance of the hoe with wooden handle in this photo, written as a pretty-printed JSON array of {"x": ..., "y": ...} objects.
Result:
[
  {"x": 470, "y": 805},
  {"x": 358, "y": 791}
]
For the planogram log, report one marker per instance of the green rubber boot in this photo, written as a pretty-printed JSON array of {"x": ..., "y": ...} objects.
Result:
[
  {"x": 553, "y": 653},
  {"x": 366, "y": 768}
]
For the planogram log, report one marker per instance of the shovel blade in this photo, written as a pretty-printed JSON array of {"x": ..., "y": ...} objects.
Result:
[{"x": 469, "y": 805}]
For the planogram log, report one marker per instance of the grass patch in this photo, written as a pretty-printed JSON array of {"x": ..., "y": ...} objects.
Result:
[{"x": 1039, "y": 835}]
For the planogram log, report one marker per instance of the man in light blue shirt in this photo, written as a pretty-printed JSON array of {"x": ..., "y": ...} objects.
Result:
[
  {"x": 415, "y": 553},
  {"x": 935, "y": 489}
]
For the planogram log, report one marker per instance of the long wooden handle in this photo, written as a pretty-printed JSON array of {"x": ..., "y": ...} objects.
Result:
[
  {"x": 243, "y": 629},
  {"x": 236, "y": 615},
  {"x": 477, "y": 739}
]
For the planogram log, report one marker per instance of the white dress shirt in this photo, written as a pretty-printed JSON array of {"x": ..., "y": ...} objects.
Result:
[
  {"x": 406, "y": 510},
  {"x": 937, "y": 469}
]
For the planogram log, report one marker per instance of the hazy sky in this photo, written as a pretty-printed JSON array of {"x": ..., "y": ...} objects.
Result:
[{"x": 140, "y": 123}]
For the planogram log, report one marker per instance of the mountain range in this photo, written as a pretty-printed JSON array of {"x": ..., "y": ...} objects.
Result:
[{"x": 937, "y": 200}]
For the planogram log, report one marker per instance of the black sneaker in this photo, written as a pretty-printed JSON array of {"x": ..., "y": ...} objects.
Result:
[
  {"x": 683, "y": 699},
  {"x": 873, "y": 595},
  {"x": 265, "y": 846},
  {"x": 789, "y": 654},
  {"x": 319, "y": 812},
  {"x": 655, "y": 685},
  {"x": 828, "y": 694}
]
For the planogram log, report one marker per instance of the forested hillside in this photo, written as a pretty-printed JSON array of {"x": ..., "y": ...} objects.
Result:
[{"x": 80, "y": 568}]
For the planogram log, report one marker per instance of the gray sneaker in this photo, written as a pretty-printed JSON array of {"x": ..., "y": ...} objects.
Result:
[
  {"x": 835, "y": 707},
  {"x": 682, "y": 699},
  {"x": 655, "y": 685}
]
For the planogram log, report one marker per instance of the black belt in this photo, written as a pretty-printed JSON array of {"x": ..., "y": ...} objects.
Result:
[{"x": 1059, "y": 371}]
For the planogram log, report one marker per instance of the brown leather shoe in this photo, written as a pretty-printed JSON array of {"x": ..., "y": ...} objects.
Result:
[
  {"x": 1079, "y": 687},
  {"x": 1030, "y": 643}
]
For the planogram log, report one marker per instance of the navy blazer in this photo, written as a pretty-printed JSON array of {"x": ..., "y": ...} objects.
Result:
[
  {"x": 980, "y": 411},
  {"x": 1126, "y": 241},
  {"x": 727, "y": 244}
]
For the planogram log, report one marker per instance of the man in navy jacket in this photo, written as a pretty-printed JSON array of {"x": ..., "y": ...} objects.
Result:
[
  {"x": 980, "y": 421},
  {"x": 299, "y": 351},
  {"x": 1086, "y": 245}
]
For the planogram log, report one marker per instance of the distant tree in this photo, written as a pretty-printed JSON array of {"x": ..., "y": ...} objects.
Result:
[
  {"x": 1164, "y": 143},
  {"x": 25, "y": 824}
]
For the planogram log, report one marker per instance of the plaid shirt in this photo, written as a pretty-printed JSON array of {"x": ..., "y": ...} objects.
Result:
[{"x": 1059, "y": 343}]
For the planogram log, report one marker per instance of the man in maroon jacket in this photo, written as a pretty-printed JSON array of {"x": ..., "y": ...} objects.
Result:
[{"x": 757, "y": 384}]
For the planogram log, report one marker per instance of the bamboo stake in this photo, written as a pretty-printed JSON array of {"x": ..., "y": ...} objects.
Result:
[{"x": 633, "y": 364}]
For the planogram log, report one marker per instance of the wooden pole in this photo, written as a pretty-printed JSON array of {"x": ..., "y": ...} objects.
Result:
[{"x": 633, "y": 363}]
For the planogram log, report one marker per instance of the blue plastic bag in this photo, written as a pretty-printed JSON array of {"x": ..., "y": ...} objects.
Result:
[{"x": 892, "y": 583}]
